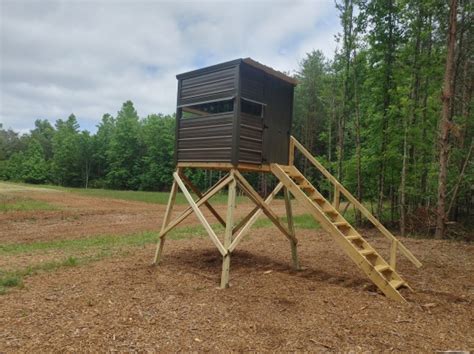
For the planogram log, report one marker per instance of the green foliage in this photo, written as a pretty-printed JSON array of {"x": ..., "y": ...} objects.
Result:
[
  {"x": 66, "y": 167},
  {"x": 28, "y": 166},
  {"x": 125, "y": 149},
  {"x": 157, "y": 160}
]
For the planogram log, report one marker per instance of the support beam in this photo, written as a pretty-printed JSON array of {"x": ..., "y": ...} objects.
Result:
[
  {"x": 199, "y": 194},
  {"x": 254, "y": 218},
  {"x": 245, "y": 219},
  {"x": 228, "y": 232},
  {"x": 209, "y": 194},
  {"x": 199, "y": 214},
  {"x": 166, "y": 220},
  {"x": 247, "y": 188},
  {"x": 291, "y": 227}
]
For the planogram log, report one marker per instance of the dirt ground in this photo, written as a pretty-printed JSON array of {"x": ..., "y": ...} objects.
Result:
[
  {"x": 82, "y": 216},
  {"x": 121, "y": 303}
]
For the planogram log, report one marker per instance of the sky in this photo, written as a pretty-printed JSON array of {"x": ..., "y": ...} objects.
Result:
[{"x": 59, "y": 57}]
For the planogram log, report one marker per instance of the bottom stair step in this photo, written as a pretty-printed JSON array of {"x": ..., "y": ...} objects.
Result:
[
  {"x": 397, "y": 283},
  {"x": 353, "y": 237}
]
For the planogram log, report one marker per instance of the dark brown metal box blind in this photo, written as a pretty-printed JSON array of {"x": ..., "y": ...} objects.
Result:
[{"x": 235, "y": 112}]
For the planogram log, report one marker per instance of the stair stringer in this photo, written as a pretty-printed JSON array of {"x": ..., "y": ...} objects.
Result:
[{"x": 347, "y": 246}]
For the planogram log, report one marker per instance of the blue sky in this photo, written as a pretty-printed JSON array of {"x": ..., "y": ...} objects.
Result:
[{"x": 88, "y": 57}]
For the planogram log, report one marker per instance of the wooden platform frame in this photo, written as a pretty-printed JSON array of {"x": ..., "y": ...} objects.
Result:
[{"x": 234, "y": 232}]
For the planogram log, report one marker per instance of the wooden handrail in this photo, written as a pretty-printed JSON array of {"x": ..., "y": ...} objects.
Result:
[{"x": 395, "y": 242}]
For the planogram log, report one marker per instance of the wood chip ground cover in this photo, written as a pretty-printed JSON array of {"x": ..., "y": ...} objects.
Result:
[{"x": 118, "y": 302}]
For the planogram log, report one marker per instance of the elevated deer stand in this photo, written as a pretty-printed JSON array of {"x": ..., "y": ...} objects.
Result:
[
  {"x": 234, "y": 233},
  {"x": 236, "y": 117}
]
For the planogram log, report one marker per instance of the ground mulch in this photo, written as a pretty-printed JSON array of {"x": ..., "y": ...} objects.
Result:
[{"x": 121, "y": 303}]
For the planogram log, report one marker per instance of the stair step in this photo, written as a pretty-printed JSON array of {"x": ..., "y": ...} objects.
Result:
[
  {"x": 396, "y": 283},
  {"x": 306, "y": 186},
  {"x": 382, "y": 268},
  {"x": 341, "y": 224},
  {"x": 331, "y": 211},
  {"x": 353, "y": 237},
  {"x": 366, "y": 252},
  {"x": 318, "y": 199}
]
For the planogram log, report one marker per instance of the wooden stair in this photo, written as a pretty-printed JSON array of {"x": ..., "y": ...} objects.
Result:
[{"x": 346, "y": 236}]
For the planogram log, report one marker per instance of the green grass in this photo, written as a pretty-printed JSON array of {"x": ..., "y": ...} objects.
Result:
[
  {"x": 139, "y": 196},
  {"x": 304, "y": 221},
  {"x": 106, "y": 242},
  {"x": 15, "y": 203},
  {"x": 10, "y": 279},
  {"x": 106, "y": 245}
]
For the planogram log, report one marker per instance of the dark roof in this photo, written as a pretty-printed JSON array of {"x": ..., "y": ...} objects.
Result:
[
  {"x": 270, "y": 71},
  {"x": 248, "y": 61}
]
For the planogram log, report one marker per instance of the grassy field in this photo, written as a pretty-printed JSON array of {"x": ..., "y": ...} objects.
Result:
[
  {"x": 17, "y": 203},
  {"x": 93, "y": 248},
  {"x": 139, "y": 196}
]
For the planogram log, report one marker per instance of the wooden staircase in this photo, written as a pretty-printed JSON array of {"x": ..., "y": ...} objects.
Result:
[
  {"x": 347, "y": 237},
  {"x": 379, "y": 271}
]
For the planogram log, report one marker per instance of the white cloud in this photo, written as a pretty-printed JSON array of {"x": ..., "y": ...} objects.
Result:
[{"x": 59, "y": 57}]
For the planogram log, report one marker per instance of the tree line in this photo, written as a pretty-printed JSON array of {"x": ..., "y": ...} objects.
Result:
[
  {"x": 390, "y": 114},
  {"x": 126, "y": 152}
]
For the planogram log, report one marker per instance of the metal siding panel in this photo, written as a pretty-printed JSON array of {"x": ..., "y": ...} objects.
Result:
[
  {"x": 208, "y": 86},
  {"x": 236, "y": 126},
  {"x": 206, "y": 138},
  {"x": 252, "y": 83},
  {"x": 279, "y": 99},
  {"x": 250, "y": 148}
]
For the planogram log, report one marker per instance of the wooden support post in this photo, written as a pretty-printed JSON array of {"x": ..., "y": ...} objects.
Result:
[
  {"x": 166, "y": 220},
  {"x": 337, "y": 197},
  {"x": 393, "y": 254},
  {"x": 291, "y": 228},
  {"x": 228, "y": 232}
]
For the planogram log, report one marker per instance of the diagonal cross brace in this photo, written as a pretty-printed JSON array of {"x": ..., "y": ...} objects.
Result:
[
  {"x": 251, "y": 218},
  {"x": 206, "y": 196},
  {"x": 199, "y": 214},
  {"x": 195, "y": 189},
  {"x": 247, "y": 188}
]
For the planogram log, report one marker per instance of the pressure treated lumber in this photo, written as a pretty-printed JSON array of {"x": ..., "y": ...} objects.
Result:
[
  {"x": 354, "y": 201},
  {"x": 363, "y": 255}
]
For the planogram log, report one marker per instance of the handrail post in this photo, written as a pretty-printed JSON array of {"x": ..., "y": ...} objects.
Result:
[
  {"x": 337, "y": 197},
  {"x": 291, "y": 155},
  {"x": 393, "y": 253}
]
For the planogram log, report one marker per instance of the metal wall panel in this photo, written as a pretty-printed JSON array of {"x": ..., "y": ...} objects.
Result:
[
  {"x": 277, "y": 120},
  {"x": 252, "y": 81},
  {"x": 205, "y": 138},
  {"x": 208, "y": 86},
  {"x": 250, "y": 144}
]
